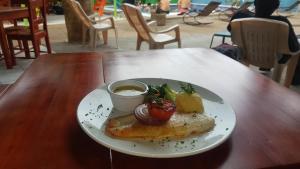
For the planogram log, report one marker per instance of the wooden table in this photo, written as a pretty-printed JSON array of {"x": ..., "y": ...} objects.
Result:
[
  {"x": 9, "y": 13},
  {"x": 38, "y": 113}
]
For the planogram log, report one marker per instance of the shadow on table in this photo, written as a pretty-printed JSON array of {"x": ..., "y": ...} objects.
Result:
[
  {"x": 290, "y": 166},
  {"x": 85, "y": 151},
  {"x": 204, "y": 160}
]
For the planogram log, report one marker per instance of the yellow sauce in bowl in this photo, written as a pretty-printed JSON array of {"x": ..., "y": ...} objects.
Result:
[{"x": 129, "y": 90}]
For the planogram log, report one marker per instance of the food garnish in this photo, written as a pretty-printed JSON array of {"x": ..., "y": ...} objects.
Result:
[
  {"x": 160, "y": 104},
  {"x": 162, "y": 111},
  {"x": 187, "y": 88},
  {"x": 142, "y": 115},
  {"x": 163, "y": 91}
]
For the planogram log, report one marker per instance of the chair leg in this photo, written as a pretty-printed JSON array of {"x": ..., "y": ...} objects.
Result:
[
  {"x": 291, "y": 67},
  {"x": 105, "y": 36},
  {"x": 36, "y": 47},
  {"x": 179, "y": 43},
  {"x": 116, "y": 36},
  {"x": 48, "y": 45},
  {"x": 19, "y": 42},
  {"x": 26, "y": 49},
  {"x": 152, "y": 46},
  {"x": 277, "y": 72},
  {"x": 138, "y": 43},
  {"x": 20, "y": 45},
  {"x": 211, "y": 42},
  {"x": 12, "y": 52},
  {"x": 93, "y": 37},
  {"x": 84, "y": 30}
]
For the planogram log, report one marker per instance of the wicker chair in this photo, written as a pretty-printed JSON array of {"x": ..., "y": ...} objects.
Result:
[
  {"x": 156, "y": 40},
  {"x": 93, "y": 25},
  {"x": 261, "y": 42}
]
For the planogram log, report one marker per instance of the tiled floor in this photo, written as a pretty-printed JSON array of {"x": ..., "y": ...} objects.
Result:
[{"x": 192, "y": 36}]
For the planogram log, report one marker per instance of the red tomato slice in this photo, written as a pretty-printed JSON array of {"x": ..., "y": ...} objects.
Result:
[{"x": 161, "y": 112}]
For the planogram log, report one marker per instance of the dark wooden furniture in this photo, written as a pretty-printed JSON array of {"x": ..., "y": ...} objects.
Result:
[
  {"x": 41, "y": 131},
  {"x": 37, "y": 16},
  {"x": 18, "y": 2},
  {"x": 5, "y": 3},
  {"x": 9, "y": 13}
]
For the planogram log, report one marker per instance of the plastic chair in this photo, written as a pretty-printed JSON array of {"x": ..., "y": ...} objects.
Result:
[
  {"x": 94, "y": 24},
  {"x": 156, "y": 39},
  {"x": 261, "y": 42}
]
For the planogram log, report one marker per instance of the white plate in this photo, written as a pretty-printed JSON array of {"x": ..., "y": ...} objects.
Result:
[{"x": 96, "y": 108}]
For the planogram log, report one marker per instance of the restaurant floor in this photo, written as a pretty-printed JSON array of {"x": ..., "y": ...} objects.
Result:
[{"x": 192, "y": 37}]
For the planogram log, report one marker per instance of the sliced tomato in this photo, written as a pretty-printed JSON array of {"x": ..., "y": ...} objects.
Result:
[{"x": 162, "y": 111}]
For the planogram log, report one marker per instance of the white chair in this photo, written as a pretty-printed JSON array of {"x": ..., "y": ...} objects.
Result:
[
  {"x": 261, "y": 42},
  {"x": 155, "y": 39},
  {"x": 94, "y": 24}
]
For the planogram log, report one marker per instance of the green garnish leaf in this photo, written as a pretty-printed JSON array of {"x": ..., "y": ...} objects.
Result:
[
  {"x": 187, "y": 88},
  {"x": 158, "y": 93}
]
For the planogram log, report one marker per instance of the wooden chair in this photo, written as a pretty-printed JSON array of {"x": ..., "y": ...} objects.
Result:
[
  {"x": 228, "y": 13},
  {"x": 94, "y": 24},
  {"x": 261, "y": 42},
  {"x": 37, "y": 17},
  {"x": 7, "y": 3},
  {"x": 155, "y": 39},
  {"x": 207, "y": 10}
]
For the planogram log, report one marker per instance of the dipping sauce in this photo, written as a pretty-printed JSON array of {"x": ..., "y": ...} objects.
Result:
[{"x": 129, "y": 90}]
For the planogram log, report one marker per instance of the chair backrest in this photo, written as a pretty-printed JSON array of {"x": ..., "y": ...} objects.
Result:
[
  {"x": 209, "y": 8},
  {"x": 245, "y": 5},
  {"x": 136, "y": 20},
  {"x": 37, "y": 15},
  {"x": 261, "y": 40},
  {"x": 81, "y": 13}
]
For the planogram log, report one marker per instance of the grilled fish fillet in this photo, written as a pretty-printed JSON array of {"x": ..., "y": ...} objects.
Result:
[{"x": 179, "y": 126}]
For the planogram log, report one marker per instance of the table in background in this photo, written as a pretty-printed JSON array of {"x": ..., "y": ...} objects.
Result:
[
  {"x": 38, "y": 113},
  {"x": 9, "y": 13},
  {"x": 224, "y": 35}
]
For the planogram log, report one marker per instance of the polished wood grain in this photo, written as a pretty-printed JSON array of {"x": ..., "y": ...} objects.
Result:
[
  {"x": 268, "y": 115},
  {"x": 9, "y": 13},
  {"x": 38, "y": 121},
  {"x": 38, "y": 127}
]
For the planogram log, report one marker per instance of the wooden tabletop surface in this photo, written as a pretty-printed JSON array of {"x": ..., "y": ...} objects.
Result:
[{"x": 38, "y": 113}]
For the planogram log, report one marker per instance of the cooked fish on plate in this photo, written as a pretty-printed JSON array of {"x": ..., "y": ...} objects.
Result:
[{"x": 179, "y": 126}]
